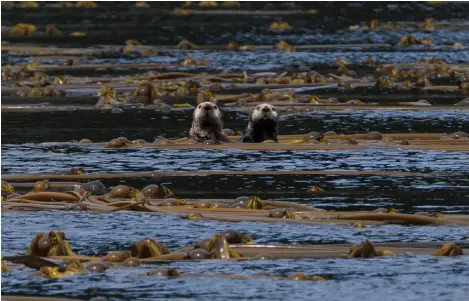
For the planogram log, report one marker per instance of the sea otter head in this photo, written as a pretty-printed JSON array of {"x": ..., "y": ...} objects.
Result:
[
  {"x": 207, "y": 115},
  {"x": 264, "y": 113}
]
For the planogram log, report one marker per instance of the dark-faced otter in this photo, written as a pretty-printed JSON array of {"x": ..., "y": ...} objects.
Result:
[
  {"x": 207, "y": 124},
  {"x": 262, "y": 125}
]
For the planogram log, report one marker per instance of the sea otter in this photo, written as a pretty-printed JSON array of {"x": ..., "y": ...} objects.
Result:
[
  {"x": 262, "y": 125},
  {"x": 207, "y": 124}
]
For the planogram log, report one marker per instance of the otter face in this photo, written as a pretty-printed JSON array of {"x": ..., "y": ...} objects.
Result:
[
  {"x": 262, "y": 125},
  {"x": 207, "y": 113},
  {"x": 264, "y": 111},
  {"x": 207, "y": 109}
]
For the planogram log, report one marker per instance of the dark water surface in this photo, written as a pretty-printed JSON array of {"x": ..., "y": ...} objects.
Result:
[
  {"x": 27, "y": 138},
  {"x": 101, "y": 126}
]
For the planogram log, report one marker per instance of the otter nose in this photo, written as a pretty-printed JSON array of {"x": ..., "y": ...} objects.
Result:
[
  {"x": 207, "y": 107},
  {"x": 266, "y": 109}
]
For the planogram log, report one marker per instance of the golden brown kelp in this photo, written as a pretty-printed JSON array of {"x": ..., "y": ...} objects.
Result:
[
  {"x": 117, "y": 256},
  {"x": 194, "y": 216},
  {"x": 31, "y": 261},
  {"x": 49, "y": 197},
  {"x": 116, "y": 143},
  {"x": 367, "y": 250},
  {"x": 235, "y": 237},
  {"x": 230, "y": 244},
  {"x": 402, "y": 218},
  {"x": 174, "y": 256},
  {"x": 22, "y": 29},
  {"x": 51, "y": 244},
  {"x": 132, "y": 262},
  {"x": 130, "y": 205},
  {"x": 71, "y": 171},
  {"x": 198, "y": 254},
  {"x": 33, "y": 205},
  {"x": 449, "y": 249},
  {"x": 219, "y": 248},
  {"x": 72, "y": 268},
  {"x": 7, "y": 189},
  {"x": 291, "y": 205},
  {"x": 294, "y": 219},
  {"x": 148, "y": 248},
  {"x": 157, "y": 191},
  {"x": 255, "y": 203},
  {"x": 41, "y": 186},
  {"x": 123, "y": 191},
  {"x": 146, "y": 92},
  {"x": 362, "y": 250},
  {"x": 5, "y": 268},
  {"x": 283, "y": 213}
]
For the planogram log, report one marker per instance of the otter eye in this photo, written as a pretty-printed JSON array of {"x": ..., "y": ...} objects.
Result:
[
  {"x": 215, "y": 107},
  {"x": 200, "y": 106},
  {"x": 258, "y": 108}
]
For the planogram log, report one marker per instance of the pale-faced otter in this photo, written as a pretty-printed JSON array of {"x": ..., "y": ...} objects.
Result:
[
  {"x": 263, "y": 125},
  {"x": 207, "y": 124}
]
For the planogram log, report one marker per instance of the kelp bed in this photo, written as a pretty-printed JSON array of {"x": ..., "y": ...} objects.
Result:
[
  {"x": 164, "y": 58},
  {"x": 158, "y": 199}
]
